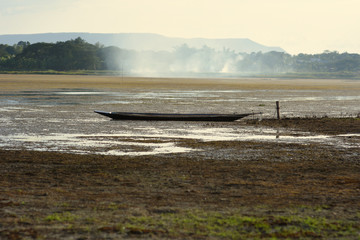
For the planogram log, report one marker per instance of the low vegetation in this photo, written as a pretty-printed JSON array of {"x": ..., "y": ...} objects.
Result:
[{"x": 195, "y": 224}]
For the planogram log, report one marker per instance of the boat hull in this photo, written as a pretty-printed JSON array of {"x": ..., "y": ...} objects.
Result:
[{"x": 173, "y": 116}]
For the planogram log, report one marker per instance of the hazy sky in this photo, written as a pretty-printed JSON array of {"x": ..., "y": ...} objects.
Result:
[{"x": 307, "y": 26}]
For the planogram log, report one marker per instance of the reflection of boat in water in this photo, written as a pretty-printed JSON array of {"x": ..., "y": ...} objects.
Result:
[{"x": 174, "y": 116}]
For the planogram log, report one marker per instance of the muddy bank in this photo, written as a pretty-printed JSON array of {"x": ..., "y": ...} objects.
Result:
[
  {"x": 58, "y": 195},
  {"x": 325, "y": 125},
  {"x": 282, "y": 177},
  {"x": 53, "y": 195}
]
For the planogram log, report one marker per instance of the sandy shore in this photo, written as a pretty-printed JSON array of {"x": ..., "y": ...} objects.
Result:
[{"x": 37, "y": 82}]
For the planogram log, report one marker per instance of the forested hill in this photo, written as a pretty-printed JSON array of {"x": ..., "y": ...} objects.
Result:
[
  {"x": 142, "y": 41},
  {"x": 78, "y": 54}
]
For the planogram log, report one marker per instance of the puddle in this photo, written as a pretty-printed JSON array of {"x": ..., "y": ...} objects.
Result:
[
  {"x": 350, "y": 135},
  {"x": 85, "y": 144},
  {"x": 151, "y": 140},
  {"x": 83, "y": 93},
  {"x": 10, "y": 109}
]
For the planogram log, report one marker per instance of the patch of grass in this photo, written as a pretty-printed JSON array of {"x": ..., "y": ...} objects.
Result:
[
  {"x": 237, "y": 226},
  {"x": 61, "y": 217}
]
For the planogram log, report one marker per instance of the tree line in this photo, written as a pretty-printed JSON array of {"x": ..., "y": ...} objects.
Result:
[{"x": 77, "y": 54}]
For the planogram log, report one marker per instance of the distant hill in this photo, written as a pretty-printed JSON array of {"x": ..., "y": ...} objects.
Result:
[{"x": 143, "y": 41}]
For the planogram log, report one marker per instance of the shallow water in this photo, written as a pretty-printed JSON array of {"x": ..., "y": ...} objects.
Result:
[{"x": 63, "y": 119}]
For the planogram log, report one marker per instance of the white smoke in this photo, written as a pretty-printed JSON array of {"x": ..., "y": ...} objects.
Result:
[
  {"x": 230, "y": 64},
  {"x": 184, "y": 59}
]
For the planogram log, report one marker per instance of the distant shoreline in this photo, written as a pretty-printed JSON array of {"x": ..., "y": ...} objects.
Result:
[{"x": 290, "y": 75}]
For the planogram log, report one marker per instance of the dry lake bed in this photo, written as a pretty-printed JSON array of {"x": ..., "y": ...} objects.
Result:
[
  {"x": 56, "y": 113},
  {"x": 68, "y": 173}
]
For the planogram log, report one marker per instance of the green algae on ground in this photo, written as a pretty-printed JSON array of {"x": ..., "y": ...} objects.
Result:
[
  {"x": 61, "y": 217},
  {"x": 238, "y": 226}
]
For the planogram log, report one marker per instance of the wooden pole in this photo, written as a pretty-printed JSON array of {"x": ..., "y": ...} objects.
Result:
[{"x": 278, "y": 109}]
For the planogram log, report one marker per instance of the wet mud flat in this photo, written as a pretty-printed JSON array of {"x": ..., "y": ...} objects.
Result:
[
  {"x": 295, "y": 178},
  {"x": 270, "y": 190}
]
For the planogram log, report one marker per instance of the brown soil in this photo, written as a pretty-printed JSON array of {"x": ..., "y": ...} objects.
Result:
[
  {"x": 35, "y": 185},
  {"x": 330, "y": 126}
]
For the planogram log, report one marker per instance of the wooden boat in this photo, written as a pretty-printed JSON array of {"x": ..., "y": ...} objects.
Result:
[{"x": 173, "y": 116}]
